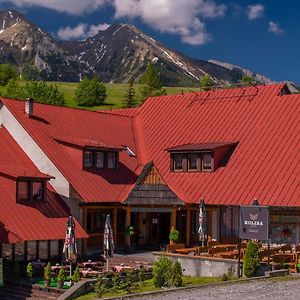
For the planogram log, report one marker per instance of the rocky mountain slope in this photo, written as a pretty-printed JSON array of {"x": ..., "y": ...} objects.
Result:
[{"x": 116, "y": 54}]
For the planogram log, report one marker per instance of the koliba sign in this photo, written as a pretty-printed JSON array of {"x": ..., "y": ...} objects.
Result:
[{"x": 254, "y": 222}]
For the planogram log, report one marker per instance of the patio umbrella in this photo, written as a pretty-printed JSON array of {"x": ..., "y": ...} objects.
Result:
[
  {"x": 70, "y": 247},
  {"x": 202, "y": 222},
  {"x": 108, "y": 240}
]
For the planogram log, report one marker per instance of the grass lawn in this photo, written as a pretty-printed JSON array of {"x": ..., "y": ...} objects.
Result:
[
  {"x": 148, "y": 286},
  {"x": 115, "y": 93}
]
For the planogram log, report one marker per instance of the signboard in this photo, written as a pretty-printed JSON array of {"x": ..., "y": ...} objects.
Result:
[
  {"x": 254, "y": 222},
  {"x": 1, "y": 271}
]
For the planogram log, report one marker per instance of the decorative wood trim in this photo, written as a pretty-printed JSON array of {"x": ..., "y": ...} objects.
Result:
[{"x": 153, "y": 177}]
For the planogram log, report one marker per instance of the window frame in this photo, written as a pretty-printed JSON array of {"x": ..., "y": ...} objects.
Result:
[
  {"x": 174, "y": 162},
  {"x": 189, "y": 169},
  {"x": 114, "y": 160},
  {"x": 30, "y": 183},
  {"x": 202, "y": 162},
  {"x": 96, "y": 159},
  {"x": 92, "y": 159}
]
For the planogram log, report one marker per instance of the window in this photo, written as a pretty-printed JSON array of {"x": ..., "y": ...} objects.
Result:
[
  {"x": 111, "y": 160},
  {"x": 192, "y": 162},
  {"x": 94, "y": 159},
  {"x": 23, "y": 190},
  {"x": 206, "y": 162},
  {"x": 87, "y": 159},
  {"x": 178, "y": 162},
  {"x": 37, "y": 191},
  {"x": 99, "y": 160},
  {"x": 28, "y": 190}
]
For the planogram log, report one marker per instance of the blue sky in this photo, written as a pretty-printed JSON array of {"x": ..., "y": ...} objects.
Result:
[{"x": 260, "y": 35}]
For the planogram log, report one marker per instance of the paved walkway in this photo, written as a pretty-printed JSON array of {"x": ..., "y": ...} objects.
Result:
[{"x": 252, "y": 290}]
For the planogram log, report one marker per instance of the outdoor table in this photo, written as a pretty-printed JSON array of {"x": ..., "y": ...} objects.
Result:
[
  {"x": 121, "y": 268},
  {"x": 89, "y": 264},
  {"x": 87, "y": 273}
]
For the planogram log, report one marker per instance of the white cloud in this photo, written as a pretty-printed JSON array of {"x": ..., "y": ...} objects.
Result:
[
  {"x": 185, "y": 18},
  {"x": 180, "y": 17},
  {"x": 72, "y": 7},
  {"x": 275, "y": 28},
  {"x": 255, "y": 11},
  {"x": 81, "y": 31}
]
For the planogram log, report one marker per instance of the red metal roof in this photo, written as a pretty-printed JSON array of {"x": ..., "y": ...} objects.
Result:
[
  {"x": 52, "y": 121},
  {"x": 200, "y": 147},
  {"x": 264, "y": 165},
  {"x": 20, "y": 171},
  {"x": 266, "y": 162},
  {"x": 88, "y": 143},
  {"x": 125, "y": 112},
  {"x": 40, "y": 220}
]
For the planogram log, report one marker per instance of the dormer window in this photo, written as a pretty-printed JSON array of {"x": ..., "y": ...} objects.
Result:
[
  {"x": 30, "y": 190},
  {"x": 206, "y": 157},
  {"x": 94, "y": 159}
]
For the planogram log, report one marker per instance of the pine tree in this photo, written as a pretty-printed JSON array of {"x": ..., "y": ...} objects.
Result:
[
  {"x": 151, "y": 83},
  {"x": 129, "y": 99}
]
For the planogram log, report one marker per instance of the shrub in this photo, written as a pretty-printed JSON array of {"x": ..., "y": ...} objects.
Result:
[
  {"x": 161, "y": 271},
  {"x": 176, "y": 275},
  {"x": 76, "y": 276},
  {"x": 129, "y": 230},
  {"x": 142, "y": 276},
  {"x": 174, "y": 235},
  {"x": 29, "y": 270},
  {"x": 100, "y": 286},
  {"x": 47, "y": 272},
  {"x": 61, "y": 274},
  {"x": 251, "y": 259}
]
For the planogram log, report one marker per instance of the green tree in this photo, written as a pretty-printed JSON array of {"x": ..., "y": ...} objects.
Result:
[
  {"x": 129, "y": 97},
  {"x": 90, "y": 92},
  {"x": 44, "y": 93},
  {"x": 14, "y": 90},
  {"x": 151, "y": 84},
  {"x": 246, "y": 79},
  {"x": 206, "y": 83},
  {"x": 251, "y": 259},
  {"x": 7, "y": 72},
  {"x": 76, "y": 276},
  {"x": 176, "y": 275}
]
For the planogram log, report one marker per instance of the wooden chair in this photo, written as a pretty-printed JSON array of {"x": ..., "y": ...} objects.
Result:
[{"x": 286, "y": 248}]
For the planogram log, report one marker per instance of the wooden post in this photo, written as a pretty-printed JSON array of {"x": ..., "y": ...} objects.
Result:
[
  {"x": 188, "y": 227},
  {"x": 115, "y": 224},
  {"x": 128, "y": 223},
  {"x": 173, "y": 219}
]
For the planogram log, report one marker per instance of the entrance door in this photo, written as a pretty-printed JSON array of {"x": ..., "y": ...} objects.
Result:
[{"x": 159, "y": 228}]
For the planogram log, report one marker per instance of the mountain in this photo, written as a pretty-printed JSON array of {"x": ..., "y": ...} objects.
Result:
[
  {"x": 115, "y": 54},
  {"x": 255, "y": 76},
  {"x": 32, "y": 50}
]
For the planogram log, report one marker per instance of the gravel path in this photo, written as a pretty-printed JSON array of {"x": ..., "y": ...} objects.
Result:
[{"x": 273, "y": 289}]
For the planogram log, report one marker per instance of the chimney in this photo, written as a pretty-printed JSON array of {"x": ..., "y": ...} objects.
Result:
[{"x": 29, "y": 107}]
